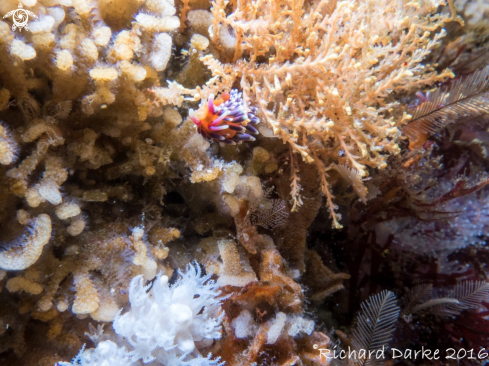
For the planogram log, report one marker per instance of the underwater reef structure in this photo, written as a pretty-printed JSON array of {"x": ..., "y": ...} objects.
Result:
[{"x": 242, "y": 182}]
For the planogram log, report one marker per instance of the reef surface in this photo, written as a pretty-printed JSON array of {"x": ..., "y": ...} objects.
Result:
[{"x": 243, "y": 182}]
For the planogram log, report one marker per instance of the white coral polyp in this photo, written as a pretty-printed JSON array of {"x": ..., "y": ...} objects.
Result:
[
  {"x": 165, "y": 322},
  {"x": 161, "y": 53},
  {"x": 107, "y": 353}
]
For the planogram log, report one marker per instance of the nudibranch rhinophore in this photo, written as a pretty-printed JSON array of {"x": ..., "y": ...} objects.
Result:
[{"x": 225, "y": 119}]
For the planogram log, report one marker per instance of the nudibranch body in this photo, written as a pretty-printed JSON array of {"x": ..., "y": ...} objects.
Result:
[{"x": 225, "y": 119}]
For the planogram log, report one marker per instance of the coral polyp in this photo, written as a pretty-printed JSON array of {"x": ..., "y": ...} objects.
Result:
[
  {"x": 8, "y": 146},
  {"x": 226, "y": 119}
]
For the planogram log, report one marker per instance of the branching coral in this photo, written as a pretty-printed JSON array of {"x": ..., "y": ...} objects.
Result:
[
  {"x": 8, "y": 146},
  {"x": 98, "y": 71},
  {"x": 76, "y": 117},
  {"x": 99, "y": 264},
  {"x": 323, "y": 73},
  {"x": 24, "y": 254}
]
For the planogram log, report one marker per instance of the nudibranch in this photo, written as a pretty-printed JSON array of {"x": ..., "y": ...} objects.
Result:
[{"x": 225, "y": 119}]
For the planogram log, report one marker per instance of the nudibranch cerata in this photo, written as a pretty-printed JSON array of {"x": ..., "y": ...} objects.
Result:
[{"x": 225, "y": 119}]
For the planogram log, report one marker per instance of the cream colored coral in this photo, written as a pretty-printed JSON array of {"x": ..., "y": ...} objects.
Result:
[
  {"x": 235, "y": 270},
  {"x": 23, "y": 217},
  {"x": 81, "y": 7},
  {"x": 160, "y": 51},
  {"x": 88, "y": 49},
  {"x": 49, "y": 191},
  {"x": 22, "y": 256},
  {"x": 67, "y": 210},
  {"x": 101, "y": 36},
  {"x": 249, "y": 187},
  {"x": 231, "y": 177},
  {"x": 232, "y": 204},
  {"x": 76, "y": 227},
  {"x": 101, "y": 265},
  {"x": 44, "y": 316},
  {"x": 200, "y": 21},
  {"x": 270, "y": 168},
  {"x": 172, "y": 117},
  {"x": 147, "y": 266},
  {"x": 4, "y": 32},
  {"x": 156, "y": 24},
  {"x": 205, "y": 175},
  {"x": 33, "y": 198},
  {"x": 260, "y": 154},
  {"x": 86, "y": 298},
  {"x": 71, "y": 211},
  {"x": 29, "y": 3},
  {"x": 69, "y": 39},
  {"x": 54, "y": 174},
  {"x": 22, "y": 50},
  {"x": 8, "y": 146},
  {"x": 103, "y": 96},
  {"x": 40, "y": 127},
  {"x": 43, "y": 25},
  {"x": 135, "y": 72},
  {"x": 43, "y": 41},
  {"x": 108, "y": 308},
  {"x": 227, "y": 40},
  {"x": 162, "y": 7},
  {"x": 62, "y": 306},
  {"x": 64, "y": 60},
  {"x": 58, "y": 13},
  {"x": 276, "y": 328},
  {"x": 48, "y": 188},
  {"x": 104, "y": 74},
  {"x": 199, "y": 42},
  {"x": 18, "y": 284},
  {"x": 95, "y": 196},
  {"x": 126, "y": 44}
]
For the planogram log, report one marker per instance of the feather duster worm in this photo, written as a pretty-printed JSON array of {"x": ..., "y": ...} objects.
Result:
[{"x": 225, "y": 119}]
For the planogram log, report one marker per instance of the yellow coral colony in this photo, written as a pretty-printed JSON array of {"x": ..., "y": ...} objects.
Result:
[
  {"x": 73, "y": 84},
  {"x": 323, "y": 73}
]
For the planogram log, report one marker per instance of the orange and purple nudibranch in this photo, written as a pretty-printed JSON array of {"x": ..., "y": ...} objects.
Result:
[{"x": 226, "y": 119}]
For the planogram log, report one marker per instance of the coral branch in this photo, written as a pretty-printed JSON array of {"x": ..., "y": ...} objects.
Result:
[{"x": 23, "y": 255}]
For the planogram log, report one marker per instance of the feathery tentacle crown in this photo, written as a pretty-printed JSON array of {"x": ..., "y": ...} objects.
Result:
[{"x": 225, "y": 119}]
